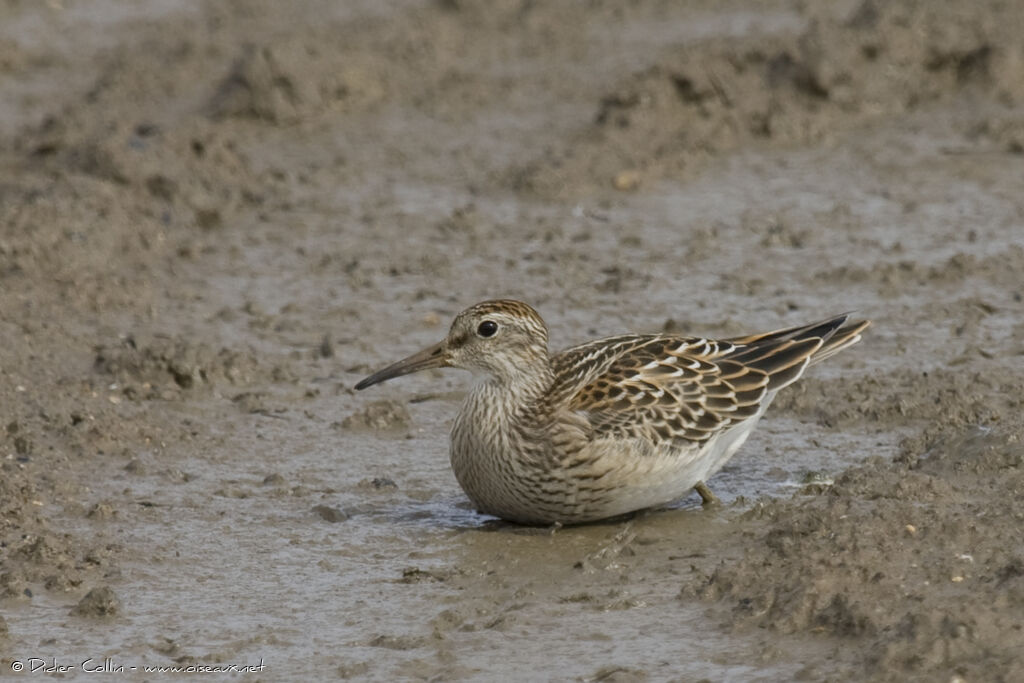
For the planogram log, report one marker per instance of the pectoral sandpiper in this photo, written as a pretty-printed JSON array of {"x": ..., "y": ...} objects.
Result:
[{"x": 611, "y": 426}]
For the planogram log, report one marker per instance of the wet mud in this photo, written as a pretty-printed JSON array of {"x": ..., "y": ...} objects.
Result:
[{"x": 216, "y": 217}]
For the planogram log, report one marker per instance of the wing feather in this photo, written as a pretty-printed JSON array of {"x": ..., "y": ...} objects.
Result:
[{"x": 670, "y": 389}]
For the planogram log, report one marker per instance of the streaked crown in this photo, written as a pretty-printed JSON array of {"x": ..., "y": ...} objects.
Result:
[{"x": 508, "y": 311}]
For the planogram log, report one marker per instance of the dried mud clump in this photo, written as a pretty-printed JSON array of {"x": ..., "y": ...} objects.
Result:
[
  {"x": 930, "y": 586},
  {"x": 98, "y": 603},
  {"x": 944, "y": 398},
  {"x": 30, "y": 553},
  {"x": 164, "y": 364},
  {"x": 330, "y": 514},
  {"x": 379, "y": 416},
  {"x": 840, "y": 71},
  {"x": 890, "y": 277},
  {"x": 285, "y": 83}
]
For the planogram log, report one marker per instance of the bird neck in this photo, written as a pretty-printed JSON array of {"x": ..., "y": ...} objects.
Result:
[
  {"x": 525, "y": 379},
  {"x": 514, "y": 384},
  {"x": 497, "y": 408}
]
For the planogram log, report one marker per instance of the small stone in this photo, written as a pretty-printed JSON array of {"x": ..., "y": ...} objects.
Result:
[
  {"x": 135, "y": 466},
  {"x": 98, "y": 603},
  {"x": 22, "y": 446},
  {"x": 101, "y": 510},
  {"x": 231, "y": 491},
  {"x": 209, "y": 219},
  {"x": 378, "y": 484},
  {"x": 326, "y": 348},
  {"x": 352, "y": 670},
  {"x": 251, "y": 401},
  {"x": 626, "y": 181},
  {"x": 330, "y": 514},
  {"x": 815, "y": 477}
]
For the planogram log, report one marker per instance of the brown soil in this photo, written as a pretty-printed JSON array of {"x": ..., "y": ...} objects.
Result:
[{"x": 216, "y": 217}]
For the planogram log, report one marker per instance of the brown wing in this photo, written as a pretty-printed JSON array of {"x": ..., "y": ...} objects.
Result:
[{"x": 668, "y": 388}]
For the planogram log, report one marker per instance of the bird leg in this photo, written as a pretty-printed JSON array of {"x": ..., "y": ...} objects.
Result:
[{"x": 707, "y": 498}]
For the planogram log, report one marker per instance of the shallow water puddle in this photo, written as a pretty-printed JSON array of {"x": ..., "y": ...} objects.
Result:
[{"x": 232, "y": 565}]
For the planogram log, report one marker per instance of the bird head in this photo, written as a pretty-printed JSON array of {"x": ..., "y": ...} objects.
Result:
[{"x": 502, "y": 339}]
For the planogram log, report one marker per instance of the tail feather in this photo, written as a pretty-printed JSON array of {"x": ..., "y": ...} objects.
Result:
[
  {"x": 822, "y": 328},
  {"x": 784, "y": 354},
  {"x": 845, "y": 337}
]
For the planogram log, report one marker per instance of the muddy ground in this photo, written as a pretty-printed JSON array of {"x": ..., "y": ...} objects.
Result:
[{"x": 215, "y": 217}]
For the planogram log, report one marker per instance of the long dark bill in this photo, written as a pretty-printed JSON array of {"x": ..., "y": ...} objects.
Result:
[{"x": 433, "y": 357}]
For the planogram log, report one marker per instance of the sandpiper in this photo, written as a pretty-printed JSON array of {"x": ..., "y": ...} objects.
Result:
[{"x": 610, "y": 426}]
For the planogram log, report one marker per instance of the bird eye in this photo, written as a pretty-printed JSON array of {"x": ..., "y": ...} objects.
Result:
[{"x": 487, "y": 328}]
